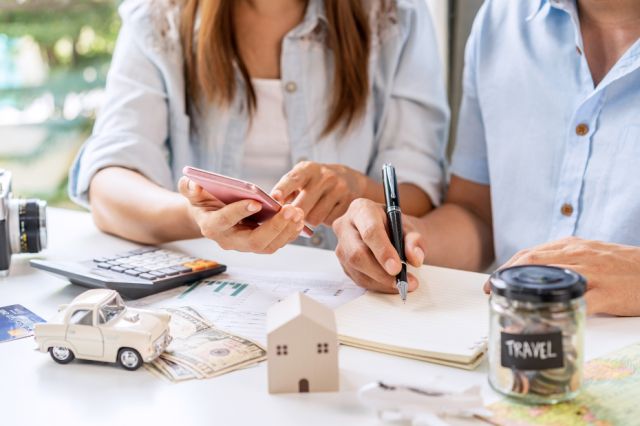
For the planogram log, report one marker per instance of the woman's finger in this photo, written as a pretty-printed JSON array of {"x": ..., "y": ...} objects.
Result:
[
  {"x": 197, "y": 195},
  {"x": 267, "y": 232},
  {"x": 221, "y": 220},
  {"x": 309, "y": 197},
  {"x": 189, "y": 188},
  {"x": 322, "y": 209},
  {"x": 292, "y": 182},
  {"x": 337, "y": 211},
  {"x": 289, "y": 234}
]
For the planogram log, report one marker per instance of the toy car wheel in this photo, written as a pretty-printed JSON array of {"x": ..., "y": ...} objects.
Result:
[
  {"x": 61, "y": 355},
  {"x": 129, "y": 359}
]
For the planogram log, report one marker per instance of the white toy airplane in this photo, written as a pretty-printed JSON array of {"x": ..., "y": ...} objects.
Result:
[{"x": 422, "y": 406}]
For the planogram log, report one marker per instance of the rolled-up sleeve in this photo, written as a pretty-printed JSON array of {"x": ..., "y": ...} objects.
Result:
[
  {"x": 413, "y": 130},
  {"x": 132, "y": 126},
  {"x": 470, "y": 155}
]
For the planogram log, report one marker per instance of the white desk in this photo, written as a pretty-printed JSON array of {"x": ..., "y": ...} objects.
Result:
[{"x": 35, "y": 390}]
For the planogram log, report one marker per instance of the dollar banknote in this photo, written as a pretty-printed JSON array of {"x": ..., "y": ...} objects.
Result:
[
  {"x": 199, "y": 350},
  {"x": 185, "y": 322},
  {"x": 213, "y": 352}
]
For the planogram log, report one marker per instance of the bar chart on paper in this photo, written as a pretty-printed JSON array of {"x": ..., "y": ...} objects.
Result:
[
  {"x": 227, "y": 288},
  {"x": 238, "y": 300},
  {"x": 234, "y": 288}
]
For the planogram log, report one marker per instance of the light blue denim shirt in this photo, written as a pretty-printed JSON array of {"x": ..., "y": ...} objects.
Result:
[
  {"x": 562, "y": 156},
  {"x": 144, "y": 126}
]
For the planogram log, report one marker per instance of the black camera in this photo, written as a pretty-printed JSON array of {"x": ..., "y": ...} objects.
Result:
[{"x": 23, "y": 224}]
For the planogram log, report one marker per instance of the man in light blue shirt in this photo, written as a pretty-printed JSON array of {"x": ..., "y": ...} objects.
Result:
[{"x": 546, "y": 166}]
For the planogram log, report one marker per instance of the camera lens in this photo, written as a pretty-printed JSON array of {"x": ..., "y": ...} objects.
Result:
[{"x": 27, "y": 225}]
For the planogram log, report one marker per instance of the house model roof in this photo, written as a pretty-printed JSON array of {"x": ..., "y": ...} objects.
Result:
[{"x": 298, "y": 305}]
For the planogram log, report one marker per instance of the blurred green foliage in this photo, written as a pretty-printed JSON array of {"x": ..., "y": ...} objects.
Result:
[
  {"x": 50, "y": 21},
  {"x": 76, "y": 39}
]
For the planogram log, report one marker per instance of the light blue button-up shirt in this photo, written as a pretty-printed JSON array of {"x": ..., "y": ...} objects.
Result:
[
  {"x": 144, "y": 123},
  {"x": 562, "y": 157}
]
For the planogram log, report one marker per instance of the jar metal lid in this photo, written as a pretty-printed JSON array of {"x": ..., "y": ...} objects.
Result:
[{"x": 537, "y": 283}]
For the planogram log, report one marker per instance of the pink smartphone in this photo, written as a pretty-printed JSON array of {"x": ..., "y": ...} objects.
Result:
[{"x": 229, "y": 190}]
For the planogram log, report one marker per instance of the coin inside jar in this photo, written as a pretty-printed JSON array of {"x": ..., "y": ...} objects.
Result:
[{"x": 536, "y": 336}]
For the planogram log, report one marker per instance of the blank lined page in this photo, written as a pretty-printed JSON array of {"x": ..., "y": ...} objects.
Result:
[{"x": 447, "y": 317}]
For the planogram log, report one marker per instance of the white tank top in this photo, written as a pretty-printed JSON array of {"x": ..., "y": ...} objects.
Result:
[{"x": 267, "y": 152}]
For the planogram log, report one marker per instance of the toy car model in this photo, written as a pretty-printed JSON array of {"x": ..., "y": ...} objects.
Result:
[{"x": 97, "y": 326}]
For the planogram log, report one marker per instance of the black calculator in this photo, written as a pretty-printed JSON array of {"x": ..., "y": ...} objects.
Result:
[{"x": 136, "y": 273}]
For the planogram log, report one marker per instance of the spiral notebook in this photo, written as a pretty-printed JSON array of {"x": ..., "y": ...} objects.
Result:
[{"x": 445, "y": 321}]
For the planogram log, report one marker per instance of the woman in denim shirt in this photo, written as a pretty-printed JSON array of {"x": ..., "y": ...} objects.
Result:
[{"x": 307, "y": 97}]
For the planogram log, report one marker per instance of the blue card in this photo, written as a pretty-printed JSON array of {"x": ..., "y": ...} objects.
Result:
[{"x": 17, "y": 322}]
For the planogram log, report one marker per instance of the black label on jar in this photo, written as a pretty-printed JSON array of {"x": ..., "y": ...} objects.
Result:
[{"x": 532, "y": 351}]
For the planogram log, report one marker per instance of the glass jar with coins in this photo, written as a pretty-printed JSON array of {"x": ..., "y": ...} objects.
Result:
[{"x": 537, "y": 333}]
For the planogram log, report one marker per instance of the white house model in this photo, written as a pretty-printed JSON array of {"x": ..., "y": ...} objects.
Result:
[{"x": 302, "y": 346}]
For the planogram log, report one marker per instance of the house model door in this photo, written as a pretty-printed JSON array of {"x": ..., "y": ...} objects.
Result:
[{"x": 303, "y": 386}]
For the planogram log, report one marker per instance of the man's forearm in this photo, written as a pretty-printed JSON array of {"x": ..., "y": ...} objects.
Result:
[
  {"x": 456, "y": 238},
  {"x": 127, "y": 204},
  {"x": 414, "y": 200}
]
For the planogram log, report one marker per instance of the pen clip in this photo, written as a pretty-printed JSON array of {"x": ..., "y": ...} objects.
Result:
[{"x": 390, "y": 184}]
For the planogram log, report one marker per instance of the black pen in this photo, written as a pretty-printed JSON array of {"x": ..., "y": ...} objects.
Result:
[{"x": 392, "y": 199}]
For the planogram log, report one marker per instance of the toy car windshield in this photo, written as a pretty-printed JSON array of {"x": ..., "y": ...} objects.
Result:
[{"x": 111, "y": 309}]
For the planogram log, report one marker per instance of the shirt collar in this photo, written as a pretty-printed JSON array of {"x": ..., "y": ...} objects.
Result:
[
  {"x": 540, "y": 5},
  {"x": 314, "y": 16}
]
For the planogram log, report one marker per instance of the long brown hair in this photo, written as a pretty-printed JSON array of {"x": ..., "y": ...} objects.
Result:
[{"x": 210, "y": 67}]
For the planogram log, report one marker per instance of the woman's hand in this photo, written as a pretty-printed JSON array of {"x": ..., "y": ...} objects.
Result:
[
  {"x": 611, "y": 270},
  {"x": 365, "y": 251},
  {"x": 224, "y": 223},
  {"x": 323, "y": 191}
]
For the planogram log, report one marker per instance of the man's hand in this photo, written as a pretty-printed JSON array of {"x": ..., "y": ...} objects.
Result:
[
  {"x": 365, "y": 251},
  {"x": 612, "y": 271}
]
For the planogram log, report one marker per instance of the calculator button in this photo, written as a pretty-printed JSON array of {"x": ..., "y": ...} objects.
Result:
[
  {"x": 100, "y": 259},
  {"x": 104, "y": 266},
  {"x": 169, "y": 271},
  {"x": 117, "y": 269},
  {"x": 201, "y": 265},
  {"x": 147, "y": 277},
  {"x": 156, "y": 267},
  {"x": 182, "y": 269},
  {"x": 143, "y": 250},
  {"x": 142, "y": 270},
  {"x": 132, "y": 272},
  {"x": 158, "y": 274}
]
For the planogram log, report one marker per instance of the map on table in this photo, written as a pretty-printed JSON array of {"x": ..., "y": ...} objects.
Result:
[{"x": 610, "y": 396}]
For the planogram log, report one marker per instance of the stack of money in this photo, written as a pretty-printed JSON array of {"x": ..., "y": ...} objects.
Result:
[{"x": 200, "y": 351}]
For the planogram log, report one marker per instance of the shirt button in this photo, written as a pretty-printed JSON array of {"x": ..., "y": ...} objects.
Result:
[
  {"x": 582, "y": 129},
  {"x": 317, "y": 240},
  {"x": 566, "y": 209},
  {"x": 291, "y": 87}
]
